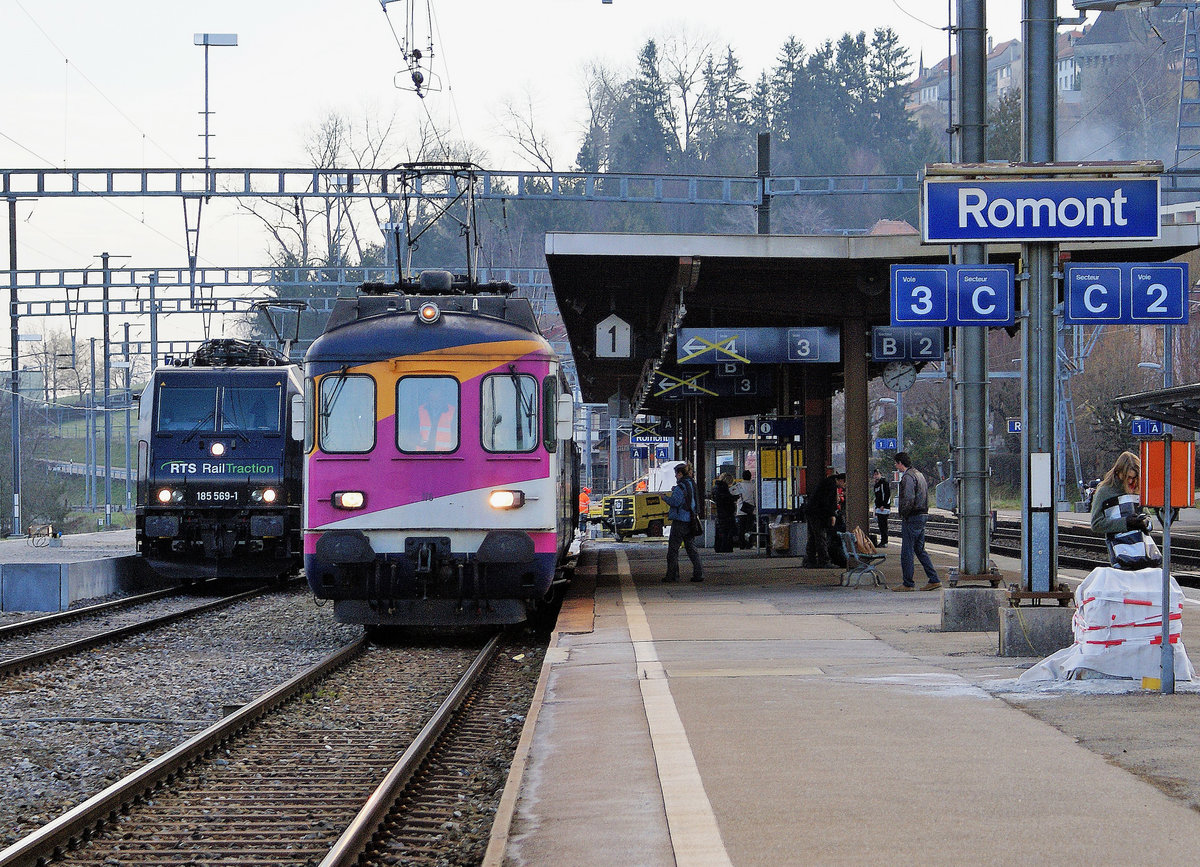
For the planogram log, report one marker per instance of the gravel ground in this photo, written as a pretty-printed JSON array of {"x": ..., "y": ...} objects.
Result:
[{"x": 69, "y": 729}]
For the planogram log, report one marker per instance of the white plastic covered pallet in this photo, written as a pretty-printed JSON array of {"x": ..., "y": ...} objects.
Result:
[{"x": 1118, "y": 629}]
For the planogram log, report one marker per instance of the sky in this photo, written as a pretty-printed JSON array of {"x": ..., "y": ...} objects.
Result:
[{"x": 120, "y": 84}]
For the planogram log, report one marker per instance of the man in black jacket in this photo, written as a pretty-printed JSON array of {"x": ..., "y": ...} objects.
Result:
[
  {"x": 821, "y": 512},
  {"x": 913, "y": 506}
]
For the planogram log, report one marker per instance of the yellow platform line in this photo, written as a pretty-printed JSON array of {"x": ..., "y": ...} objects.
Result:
[{"x": 695, "y": 837}]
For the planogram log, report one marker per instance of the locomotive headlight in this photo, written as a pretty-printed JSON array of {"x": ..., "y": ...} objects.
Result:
[
  {"x": 429, "y": 313},
  {"x": 167, "y": 496},
  {"x": 349, "y": 499},
  {"x": 264, "y": 495},
  {"x": 506, "y": 499},
  {"x": 217, "y": 449}
]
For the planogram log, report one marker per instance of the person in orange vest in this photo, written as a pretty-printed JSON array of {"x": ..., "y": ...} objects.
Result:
[
  {"x": 437, "y": 425},
  {"x": 640, "y": 486},
  {"x": 585, "y": 506}
]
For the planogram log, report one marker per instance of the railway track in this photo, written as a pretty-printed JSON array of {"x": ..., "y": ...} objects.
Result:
[
  {"x": 277, "y": 781},
  {"x": 1078, "y": 548},
  {"x": 29, "y": 643}
]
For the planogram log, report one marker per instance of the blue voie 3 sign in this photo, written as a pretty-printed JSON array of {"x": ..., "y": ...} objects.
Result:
[
  {"x": 1126, "y": 293},
  {"x": 952, "y": 295},
  {"x": 986, "y": 211}
]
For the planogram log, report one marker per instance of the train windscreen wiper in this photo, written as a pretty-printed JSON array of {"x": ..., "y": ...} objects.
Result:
[{"x": 196, "y": 429}]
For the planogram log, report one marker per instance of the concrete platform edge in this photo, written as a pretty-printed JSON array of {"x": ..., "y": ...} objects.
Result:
[{"x": 577, "y": 615}]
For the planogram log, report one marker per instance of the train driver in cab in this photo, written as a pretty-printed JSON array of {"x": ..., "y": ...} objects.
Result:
[{"x": 437, "y": 424}]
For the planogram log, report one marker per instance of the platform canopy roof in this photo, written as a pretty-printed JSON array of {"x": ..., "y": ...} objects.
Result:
[
  {"x": 1178, "y": 406},
  {"x": 658, "y": 283}
]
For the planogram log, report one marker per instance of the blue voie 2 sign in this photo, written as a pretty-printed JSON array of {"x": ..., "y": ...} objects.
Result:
[
  {"x": 988, "y": 211},
  {"x": 907, "y": 344},
  {"x": 1126, "y": 293},
  {"x": 952, "y": 295}
]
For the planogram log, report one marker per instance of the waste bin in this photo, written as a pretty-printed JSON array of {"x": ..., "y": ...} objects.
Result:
[
  {"x": 799, "y": 540},
  {"x": 781, "y": 537}
]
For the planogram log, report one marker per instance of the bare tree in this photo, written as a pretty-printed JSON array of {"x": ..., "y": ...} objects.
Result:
[
  {"x": 520, "y": 126},
  {"x": 683, "y": 57}
]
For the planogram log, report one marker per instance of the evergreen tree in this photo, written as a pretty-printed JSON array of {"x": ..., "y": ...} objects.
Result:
[
  {"x": 645, "y": 138},
  {"x": 889, "y": 67}
]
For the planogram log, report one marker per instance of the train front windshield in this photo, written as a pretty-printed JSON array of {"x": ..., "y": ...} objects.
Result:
[
  {"x": 246, "y": 408},
  {"x": 187, "y": 409},
  {"x": 191, "y": 409}
]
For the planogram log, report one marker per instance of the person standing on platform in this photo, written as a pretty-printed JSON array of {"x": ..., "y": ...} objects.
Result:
[
  {"x": 746, "y": 509},
  {"x": 883, "y": 505},
  {"x": 1117, "y": 514},
  {"x": 821, "y": 511},
  {"x": 914, "y": 512},
  {"x": 683, "y": 503},
  {"x": 726, "y": 502},
  {"x": 1119, "y": 487}
]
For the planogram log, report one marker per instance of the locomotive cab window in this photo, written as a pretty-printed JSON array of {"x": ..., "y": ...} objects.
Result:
[
  {"x": 346, "y": 414},
  {"x": 187, "y": 410},
  {"x": 427, "y": 414},
  {"x": 550, "y": 413},
  {"x": 250, "y": 408},
  {"x": 508, "y": 413}
]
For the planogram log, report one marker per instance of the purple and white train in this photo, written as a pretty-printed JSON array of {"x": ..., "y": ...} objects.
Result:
[{"x": 440, "y": 474}]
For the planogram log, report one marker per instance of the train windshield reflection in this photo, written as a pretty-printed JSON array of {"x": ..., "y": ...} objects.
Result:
[
  {"x": 250, "y": 408},
  {"x": 187, "y": 409}
]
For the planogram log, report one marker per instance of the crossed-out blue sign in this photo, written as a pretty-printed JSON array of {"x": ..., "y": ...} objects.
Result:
[
  {"x": 1048, "y": 209},
  {"x": 952, "y": 295},
  {"x": 907, "y": 344},
  {"x": 1126, "y": 293},
  {"x": 1146, "y": 427}
]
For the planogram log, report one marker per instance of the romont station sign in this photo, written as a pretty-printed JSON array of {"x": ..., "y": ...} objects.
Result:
[{"x": 985, "y": 210}]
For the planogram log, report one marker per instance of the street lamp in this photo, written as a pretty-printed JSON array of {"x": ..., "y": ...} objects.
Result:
[
  {"x": 899, "y": 401},
  {"x": 210, "y": 39}
]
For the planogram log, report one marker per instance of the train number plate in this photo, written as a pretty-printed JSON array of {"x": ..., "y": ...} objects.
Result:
[{"x": 216, "y": 496}]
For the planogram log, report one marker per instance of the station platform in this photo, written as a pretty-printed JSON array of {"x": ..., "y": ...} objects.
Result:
[
  {"x": 771, "y": 716},
  {"x": 38, "y": 575}
]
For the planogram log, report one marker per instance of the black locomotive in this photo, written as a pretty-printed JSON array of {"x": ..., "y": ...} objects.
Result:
[{"x": 219, "y": 464}]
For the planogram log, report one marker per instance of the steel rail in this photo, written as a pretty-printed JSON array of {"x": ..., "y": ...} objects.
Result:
[
  {"x": 18, "y": 663},
  {"x": 23, "y": 626},
  {"x": 358, "y": 834},
  {"x": 79, "y": 823}
]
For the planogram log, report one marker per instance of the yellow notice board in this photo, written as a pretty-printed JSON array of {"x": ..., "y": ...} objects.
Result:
[{"x": 777, "y": 463}]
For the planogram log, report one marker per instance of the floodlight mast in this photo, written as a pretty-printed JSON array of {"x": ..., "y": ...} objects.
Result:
[{"x": 209, "y": 39}]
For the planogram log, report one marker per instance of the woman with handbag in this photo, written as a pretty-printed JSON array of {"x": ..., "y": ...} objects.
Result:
[
  {"x": 1117, "y": 513},
  {"x": 684, "y": 514}
]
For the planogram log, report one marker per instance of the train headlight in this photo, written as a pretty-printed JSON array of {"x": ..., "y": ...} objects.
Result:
[
  {"x": 217, "y": 449},
  {"x": 429, "y": 313},
  {"x": 349, "y": 499},
  {"x": 264, "y": 495},
  {"x": 506, "y": 499},
  {"x": 166, "y": 496}
]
